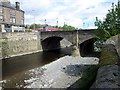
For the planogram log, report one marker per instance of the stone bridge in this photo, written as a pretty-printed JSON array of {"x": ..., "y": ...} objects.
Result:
[
  {"x": 51, "y": 39},
  {"x": 71, "y": 36}
]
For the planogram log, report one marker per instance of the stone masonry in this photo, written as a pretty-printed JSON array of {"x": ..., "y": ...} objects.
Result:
[{"x": 18, "y": 43}]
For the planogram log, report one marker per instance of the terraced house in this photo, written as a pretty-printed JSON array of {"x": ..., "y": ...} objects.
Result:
[{"x": 11, "y": 17}]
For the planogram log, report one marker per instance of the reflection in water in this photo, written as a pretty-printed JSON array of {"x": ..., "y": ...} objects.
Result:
[{"x": 15, "y": 69}]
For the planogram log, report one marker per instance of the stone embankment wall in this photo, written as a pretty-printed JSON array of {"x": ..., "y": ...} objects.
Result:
[
  {"x": 109, "y": 65},
  {"x": 13, "y": 44}
]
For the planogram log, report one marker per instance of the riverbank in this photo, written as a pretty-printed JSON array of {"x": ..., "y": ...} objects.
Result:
[
  {"x": 17, "y": 55},
  {"x": 61, "y": 73},
  {"x": 108, "y": 73}
]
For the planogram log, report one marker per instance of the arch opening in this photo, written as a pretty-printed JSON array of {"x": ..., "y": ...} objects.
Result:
[
  {"x": 51, "y": 43},
  {"x": 87, "y": 48}
]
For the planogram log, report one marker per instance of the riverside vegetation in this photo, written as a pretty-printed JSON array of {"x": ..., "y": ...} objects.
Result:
[{"x": 107, "y": 28}]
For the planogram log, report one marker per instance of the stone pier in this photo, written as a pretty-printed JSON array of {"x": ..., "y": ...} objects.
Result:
[{"x": 75, "y": 51}]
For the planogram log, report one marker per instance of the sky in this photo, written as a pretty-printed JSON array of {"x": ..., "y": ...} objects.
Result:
[{"x": 78, "y": 13}]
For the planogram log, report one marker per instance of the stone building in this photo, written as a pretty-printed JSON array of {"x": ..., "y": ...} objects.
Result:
[{"x": 11, "y": 17}]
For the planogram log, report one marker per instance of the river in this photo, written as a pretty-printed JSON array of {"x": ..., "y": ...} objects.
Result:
[{"x": 14, "y": 70}]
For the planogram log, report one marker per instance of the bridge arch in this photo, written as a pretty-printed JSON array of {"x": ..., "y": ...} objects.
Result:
[
  {"x": 87, "y": 47},
  {"x": 54, "y": 42},
  {"x": 51, "y": 43}
]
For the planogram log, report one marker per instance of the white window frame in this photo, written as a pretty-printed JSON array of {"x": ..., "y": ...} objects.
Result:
[
  {"x": 22, "y": 21},
  {"x": 1, "y": 10},
  {"x": 12, "y": 20},
  {"x": 1, "y": 18},
  {"x": 12, "y": 12}
]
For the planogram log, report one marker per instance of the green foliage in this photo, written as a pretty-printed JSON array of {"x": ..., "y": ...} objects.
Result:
[
  {"x": 65, "y": 27},
  {"x": 68, "y": 27},
  {"x": 28, "y": 30},
  {"x": 35, "y": 26},
  {"x": 111, "y": 25}
]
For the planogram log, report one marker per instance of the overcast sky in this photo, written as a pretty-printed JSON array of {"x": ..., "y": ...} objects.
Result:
[{"x": 78, "y": 13}]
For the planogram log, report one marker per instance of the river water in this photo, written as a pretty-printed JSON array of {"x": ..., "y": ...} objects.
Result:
[{"x": 14, "y": 70}]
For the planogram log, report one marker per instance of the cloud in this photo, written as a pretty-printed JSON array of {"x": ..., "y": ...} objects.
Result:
[{"x": 72, "y": 12}]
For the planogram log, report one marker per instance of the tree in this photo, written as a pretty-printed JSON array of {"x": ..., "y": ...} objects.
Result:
[
  {"x": 111, "y": 25},
  {"x": 32, "y": 26},
  {"x": 68, "y": 27}
]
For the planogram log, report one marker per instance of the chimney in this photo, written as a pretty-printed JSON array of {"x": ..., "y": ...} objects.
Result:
[{"x": 17, "y": 5}]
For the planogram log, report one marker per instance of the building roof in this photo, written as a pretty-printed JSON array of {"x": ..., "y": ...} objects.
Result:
[
  {"x": 5, "y": 4},
  {"x": 8, "y": 5},
  {"x": 48, "y": 29}
]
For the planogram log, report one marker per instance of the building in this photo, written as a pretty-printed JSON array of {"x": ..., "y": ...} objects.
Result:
[{"x": 11, "y": 17}]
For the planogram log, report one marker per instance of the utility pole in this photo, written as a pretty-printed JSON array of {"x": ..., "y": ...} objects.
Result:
[
  {"x": 83, "y": 25},
  {"x": 45, "y": 22},
  {"x": 34, "y": 20},
  {"x": 57, "y": 22}
]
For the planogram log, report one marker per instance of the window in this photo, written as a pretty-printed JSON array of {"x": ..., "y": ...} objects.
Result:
[
  {"x": 12, "y": 20},
  {"x": 12, "y": 12},
  {"x": 1, "y": 11},
  {"x": 1, "y": 18},
  {"x": 22, "y": 21}
]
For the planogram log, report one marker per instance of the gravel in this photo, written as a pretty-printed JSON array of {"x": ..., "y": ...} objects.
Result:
[{"x": 61, "y": 73}]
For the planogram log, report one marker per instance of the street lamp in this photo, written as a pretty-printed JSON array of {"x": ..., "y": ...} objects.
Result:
[
  {"x": 84, "y": 25},
  {"x": 57, "y": 22},
  {"x": 34, "y": 20},
  {"x": 45, "y": 22}
]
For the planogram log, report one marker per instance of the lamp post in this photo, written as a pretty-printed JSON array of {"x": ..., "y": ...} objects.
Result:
[
  {"x": 45, "y": 22},
  {"x": 83, "y": 25},
  {"x": 34, "y": 20},
  {"x": 57, "y": 22}
]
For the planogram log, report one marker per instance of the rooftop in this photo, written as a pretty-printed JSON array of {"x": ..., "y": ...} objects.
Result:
[{"x": 6, "y": 3}]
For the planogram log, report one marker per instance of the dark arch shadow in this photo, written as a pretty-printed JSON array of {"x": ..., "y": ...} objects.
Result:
[
  {"x": 87, "y": 48},
  {"x": 51, "y": 43}
]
